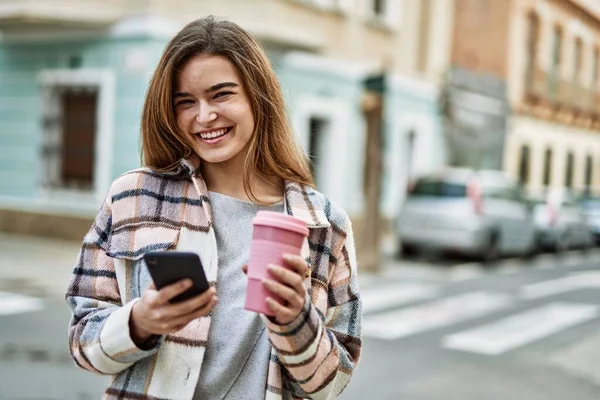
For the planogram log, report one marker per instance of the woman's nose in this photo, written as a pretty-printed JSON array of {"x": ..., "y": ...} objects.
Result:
[{"x": 206, "y": 114}]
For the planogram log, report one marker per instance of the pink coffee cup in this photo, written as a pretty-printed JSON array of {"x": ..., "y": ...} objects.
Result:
[{"x": 274, "y": 235}]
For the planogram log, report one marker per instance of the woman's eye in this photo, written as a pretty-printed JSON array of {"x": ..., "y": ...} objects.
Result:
[
  {"x": 222, "y": 94},
  {"x": 182, "y": 102}
]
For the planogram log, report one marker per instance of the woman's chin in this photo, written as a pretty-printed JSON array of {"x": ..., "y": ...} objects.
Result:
[{"x": 212, "y": 158}]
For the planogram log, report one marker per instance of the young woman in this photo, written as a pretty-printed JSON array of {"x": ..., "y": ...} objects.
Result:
[{"x": 217, "y": 148}]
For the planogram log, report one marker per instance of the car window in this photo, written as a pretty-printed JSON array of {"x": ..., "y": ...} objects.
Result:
[
  {"x": 438, "y": 188},
  {"x": 591, "y": 204},
  {"x": 502, "y": 192}
]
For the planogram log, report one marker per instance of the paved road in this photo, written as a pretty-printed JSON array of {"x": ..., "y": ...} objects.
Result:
[
  {"x": 450, "y": 330},
  {"x": 517, "y": 329}
]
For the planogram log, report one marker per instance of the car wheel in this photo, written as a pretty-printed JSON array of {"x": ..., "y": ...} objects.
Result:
[
  {"x": 491, "y": 252},
  {"x": 407, "y": 250},
  {"x": 562, "y": 244},
  {"x": 536, "y": 247}
]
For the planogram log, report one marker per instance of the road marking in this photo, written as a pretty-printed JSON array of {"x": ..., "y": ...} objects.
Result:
[
  {"x": 415, "y": 270},
  {"x": 12, "y": 303},
  {"x": 509, "y": 267},
  {"x": 577, "y": 281},
  {"x": 375, "y": 299},
  {"x": 544, "y": 266},
  {"x": 435, "y": 314},
  {"x": 573, "y": 259},
  {"x": 545, "y": 261},
  {"x": 467, "y": 271},
  {"x": 521, "y": 329}
]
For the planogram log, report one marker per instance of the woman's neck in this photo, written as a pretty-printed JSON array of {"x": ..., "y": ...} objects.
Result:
[{"x": 229, "y": 180}]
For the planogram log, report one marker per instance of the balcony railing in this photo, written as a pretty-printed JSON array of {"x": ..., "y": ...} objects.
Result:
[{"x": 542, "y": 87}]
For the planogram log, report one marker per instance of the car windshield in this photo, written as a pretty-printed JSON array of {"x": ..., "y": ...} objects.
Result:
[
  {"x": 591, "y": 203},
  {"x": 438, "y": 188}
]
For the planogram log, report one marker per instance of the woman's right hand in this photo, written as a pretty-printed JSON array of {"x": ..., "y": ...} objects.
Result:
[{"x": 154, "y": 315}]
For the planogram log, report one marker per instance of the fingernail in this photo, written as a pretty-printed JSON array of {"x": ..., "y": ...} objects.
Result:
[
  {"x": 271, "y": 267},
  {"x": 266, "y": 282},
  {"x": 287, "y": 256},
  {"x": 186, "y": 283}
]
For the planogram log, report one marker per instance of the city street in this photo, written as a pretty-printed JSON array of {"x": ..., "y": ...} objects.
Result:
[
  {"x": 450, "y": 330},
  {"x": 517, "y": 329}
]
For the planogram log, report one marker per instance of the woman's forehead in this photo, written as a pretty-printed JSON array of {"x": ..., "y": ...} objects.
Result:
[{"x": 206, "y": 70}]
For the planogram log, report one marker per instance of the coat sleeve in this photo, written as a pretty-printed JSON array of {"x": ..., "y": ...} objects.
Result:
[
  {"x": 319, "y": 353},
  {"x": 99, "y": 337}
]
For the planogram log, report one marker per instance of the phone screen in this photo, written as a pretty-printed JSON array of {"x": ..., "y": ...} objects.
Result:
[{"x": 167, "y": 267}]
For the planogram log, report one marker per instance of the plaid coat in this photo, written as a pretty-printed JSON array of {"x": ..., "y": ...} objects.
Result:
[{"x": 312, "y": 357}]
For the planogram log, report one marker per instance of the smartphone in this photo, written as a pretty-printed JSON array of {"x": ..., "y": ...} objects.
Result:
[{"x": 168, "y": 267}]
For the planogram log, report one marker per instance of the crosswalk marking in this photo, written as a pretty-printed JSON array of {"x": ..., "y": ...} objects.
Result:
[
  {"x": 435, "y": 314},
  {"x": 509, "y": 268},
  {"x": 383, "y": 297},
  {"x": 465, "y": 272},
  {"x": 572, "y": 260},
  {"x": 12, "y": 303},
  {"x": 566, "y": 284},
  {"x": 544, "y": 266},
  {"x": 521, "y": 329}
]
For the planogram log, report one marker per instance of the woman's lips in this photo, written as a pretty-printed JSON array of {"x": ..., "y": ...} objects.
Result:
[{"x": 214, "y": 140}]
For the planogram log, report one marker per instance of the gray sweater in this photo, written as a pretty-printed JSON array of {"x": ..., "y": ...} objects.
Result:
[{"x": 237, "y": 354}]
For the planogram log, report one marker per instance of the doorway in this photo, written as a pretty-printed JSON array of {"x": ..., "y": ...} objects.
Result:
[{"x": 317, "y": 148}]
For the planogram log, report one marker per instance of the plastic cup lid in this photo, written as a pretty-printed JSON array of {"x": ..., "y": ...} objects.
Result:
[{"x": 282, "y": 221}]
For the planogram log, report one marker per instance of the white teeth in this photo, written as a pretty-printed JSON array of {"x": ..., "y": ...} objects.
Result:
[{"x": 213, "y": 134}]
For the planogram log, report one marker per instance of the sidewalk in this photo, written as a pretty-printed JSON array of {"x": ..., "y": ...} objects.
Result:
[{"x": 36, "y": 266}]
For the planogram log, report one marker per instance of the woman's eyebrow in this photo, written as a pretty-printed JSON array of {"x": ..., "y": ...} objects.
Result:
[
  {"x": 221, "y": 86},
  {"x": 213, "y": 88},
  {"x": 181, "y": 94}
]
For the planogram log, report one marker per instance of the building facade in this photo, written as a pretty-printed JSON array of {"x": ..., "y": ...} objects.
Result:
[
  {"x": 73, "y": 77},
  {"x": 554, "y": 139},
  {"x": 539, "y": 61},
  {"x": 475, "y": 88}
]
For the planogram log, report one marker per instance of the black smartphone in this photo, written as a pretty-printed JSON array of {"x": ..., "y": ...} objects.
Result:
[{"x": 168, "y": 267}]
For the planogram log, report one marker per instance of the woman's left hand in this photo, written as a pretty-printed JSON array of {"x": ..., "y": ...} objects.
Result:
[{"x": 289, "y": 287}]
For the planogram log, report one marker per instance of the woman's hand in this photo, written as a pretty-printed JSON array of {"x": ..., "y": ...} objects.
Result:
[
  {"x": 154, "y": 315},
  {"x": 289, "y": 287}
]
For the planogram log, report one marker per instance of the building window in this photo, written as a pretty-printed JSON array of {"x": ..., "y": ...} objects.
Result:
[
  {"x": 589, "y": 171},
  {"x": 569, "y": 170},
  {"x": 379, "y": 8},
  {"x": 556, "y": 59},
  {"x": 318, "y": 128},
  {"x": 547, "y": 167},
  {"x": 533, "y": 28},
  {"x": 69, "y": 146},
  {"x": 578, "y": 59},
  {"x": 524, "y": 166}
]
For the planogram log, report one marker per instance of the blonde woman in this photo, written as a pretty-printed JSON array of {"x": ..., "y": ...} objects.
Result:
[{"x": 217, "y": 148}]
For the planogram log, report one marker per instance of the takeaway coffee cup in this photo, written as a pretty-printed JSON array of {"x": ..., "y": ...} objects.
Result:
[{"x": 274, "y": 235}]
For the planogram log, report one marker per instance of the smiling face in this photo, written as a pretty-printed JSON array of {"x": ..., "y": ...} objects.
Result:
[{"x": 212, "y": 109}]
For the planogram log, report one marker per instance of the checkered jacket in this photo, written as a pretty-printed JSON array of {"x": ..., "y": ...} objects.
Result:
[{"x": 312, "y": 357}]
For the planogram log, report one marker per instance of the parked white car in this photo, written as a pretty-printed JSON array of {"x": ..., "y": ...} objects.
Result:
[
  {"x": 590, "y": 202},
  {"x": 560, "y": 220},
  {"x": 480, "y": 213}
]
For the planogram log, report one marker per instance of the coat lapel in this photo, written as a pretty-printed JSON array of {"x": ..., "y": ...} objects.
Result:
[{"x": 301, "y": 202}]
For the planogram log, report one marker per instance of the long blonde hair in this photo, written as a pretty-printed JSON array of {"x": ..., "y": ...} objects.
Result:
[{"x": 273, "y": 149}]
